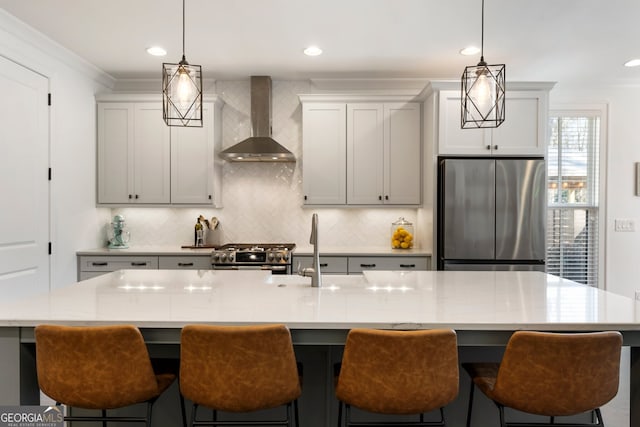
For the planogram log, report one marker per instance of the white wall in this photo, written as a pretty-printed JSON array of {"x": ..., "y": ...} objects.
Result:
[
  {"x": 74, "y": 219},
  {"x": 622, "y": 249}
]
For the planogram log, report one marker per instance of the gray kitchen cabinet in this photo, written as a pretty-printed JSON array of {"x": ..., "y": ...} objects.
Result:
[
  {"x": 141, "y": 160},
  {"x": 361, "y": 150},
  {"x": 92, "y": 266},
  {"x": 328, "y": 264},
  {"x": 358, "y": 264},
  {"x": 348, "y": 264},
  {"x": 185, "y": 262}
]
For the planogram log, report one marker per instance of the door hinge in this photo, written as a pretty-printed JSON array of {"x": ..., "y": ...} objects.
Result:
[
  {"x": 49, "y": 99},
  {"x": 49, "y": 174},
  {"x": 50, "y": 249}
]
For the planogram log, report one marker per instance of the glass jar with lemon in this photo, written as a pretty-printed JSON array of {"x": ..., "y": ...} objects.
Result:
[{"x": 402, "y": 236}]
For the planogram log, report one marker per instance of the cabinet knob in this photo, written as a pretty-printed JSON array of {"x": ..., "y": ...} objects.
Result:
[
  {"x": 379, "y": 197},
  {"x": 305, "y": 197},
  {"x": 136, "y": 196},
  {"x": 488, "y": 147},
  {"x": 495, "y": 147},
  {"x": 130, "y": 196},
  {"x": 386, "y": 197},
  {"x": 210, "y": 197}
]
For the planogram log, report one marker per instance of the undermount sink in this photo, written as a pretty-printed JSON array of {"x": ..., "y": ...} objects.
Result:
[{"x": 328, "y": 281}]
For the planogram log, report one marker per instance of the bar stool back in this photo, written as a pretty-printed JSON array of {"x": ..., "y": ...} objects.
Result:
[
  {"x": 398, "y": 372},
  {"x": 238, "y": 369},
  {"x": 97, "y": 367},
  {"x": 551, "y": 374}
]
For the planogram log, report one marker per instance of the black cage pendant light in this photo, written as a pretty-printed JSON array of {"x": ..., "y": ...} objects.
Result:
[
  {"x": 182, "y": 91},
  {"x": 483, "y": 88}
]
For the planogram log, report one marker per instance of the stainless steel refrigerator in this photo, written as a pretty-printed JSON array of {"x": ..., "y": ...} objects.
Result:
[{"x": 491, "y": 214}]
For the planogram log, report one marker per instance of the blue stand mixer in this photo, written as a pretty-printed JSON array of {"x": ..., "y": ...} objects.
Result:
[{"x": 118, "y": 234}]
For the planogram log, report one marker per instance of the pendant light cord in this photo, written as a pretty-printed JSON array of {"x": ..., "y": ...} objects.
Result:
[
  {"x": 481, "y": 35},
  {"x": 184, "y": 21}
]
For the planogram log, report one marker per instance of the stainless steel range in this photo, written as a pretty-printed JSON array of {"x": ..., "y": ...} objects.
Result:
[{"x": 254, "y": 256}]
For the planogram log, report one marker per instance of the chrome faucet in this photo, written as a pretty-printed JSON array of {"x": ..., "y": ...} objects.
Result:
[{"x": 314, "y": 270}]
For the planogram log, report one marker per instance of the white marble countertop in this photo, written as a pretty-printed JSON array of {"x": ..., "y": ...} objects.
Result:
[
  {"x": 299, "y": 250},
  {"x": 380, "y": 299}
]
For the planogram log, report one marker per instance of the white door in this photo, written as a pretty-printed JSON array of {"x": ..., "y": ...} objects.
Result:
[
  {"x": 151, "y": 154},
  {"x": 402, "y": 154},
  {"x": 24, "y": 163},
  {"x": 324, "y": 166},
  {"x": 192, "y": 161},
  {"x": 364, "y": 154}
]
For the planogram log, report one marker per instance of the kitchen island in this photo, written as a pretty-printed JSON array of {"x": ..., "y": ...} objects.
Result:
[{"x": 483, "y": 307}]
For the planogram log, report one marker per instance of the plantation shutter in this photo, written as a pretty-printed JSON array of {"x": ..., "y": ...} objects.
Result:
[{"x": 573, "y": 197}]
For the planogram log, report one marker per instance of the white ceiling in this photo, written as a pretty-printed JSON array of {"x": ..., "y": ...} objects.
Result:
[{"x": 541, "y": 40}]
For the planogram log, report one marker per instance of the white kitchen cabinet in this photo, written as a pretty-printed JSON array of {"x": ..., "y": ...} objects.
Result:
[
  {"x": 361, "y": 153},
  {"x": 521, "y": 134},
  {"x": 141, "y": 160},
  {"x": 195, "y": 168},
  {"x": 133, "y": 154},
  {"x": 324, "y": 168}
]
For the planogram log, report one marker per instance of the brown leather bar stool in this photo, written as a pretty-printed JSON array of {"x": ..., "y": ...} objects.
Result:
[
  {"x": 239, "y": 369},
  {"x": 551, "y": 374},
  {"x": 398, "y": 372},
  {"x": 99, "y": 367}
]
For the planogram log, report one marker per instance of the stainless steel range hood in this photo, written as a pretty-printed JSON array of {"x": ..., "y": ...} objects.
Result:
[{"x": 260, "y": 147}]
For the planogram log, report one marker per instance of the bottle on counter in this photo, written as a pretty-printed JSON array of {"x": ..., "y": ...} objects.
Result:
[
  {"x": 401, "y": 234},
  {"x": 198, "y": 234}
]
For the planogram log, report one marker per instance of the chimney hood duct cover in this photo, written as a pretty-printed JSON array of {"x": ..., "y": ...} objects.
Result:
[{"x": 260, "y": 147}]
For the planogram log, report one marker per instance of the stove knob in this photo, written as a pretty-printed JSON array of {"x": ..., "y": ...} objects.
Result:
[
  {"x": 278, "y": 256},
  {"x": 216, "y": 256},
  {"x": 223, "y": 257},
  {"x": 285, "y": 256},
  {"x": 270, "y": 256},
  {"x": 230, "y": 257}
]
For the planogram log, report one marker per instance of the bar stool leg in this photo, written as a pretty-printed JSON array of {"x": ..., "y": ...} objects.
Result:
[{"x": 470, "y": 407}]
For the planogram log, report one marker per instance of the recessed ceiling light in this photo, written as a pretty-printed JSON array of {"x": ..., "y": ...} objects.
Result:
[
  {"x": 632, "y": 63},
  {"x": 469, "y": 50},
  {"x": 313, "y": 51},
  {"x": 156, "y": 51}
]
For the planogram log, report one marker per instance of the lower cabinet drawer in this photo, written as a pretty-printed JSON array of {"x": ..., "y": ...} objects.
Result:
[
  {"x": 113, "y": 263},
  {"x": 359, "y": 264},
  {"x": 184, "y": 262},
  {"x": 328, "y": 264}
]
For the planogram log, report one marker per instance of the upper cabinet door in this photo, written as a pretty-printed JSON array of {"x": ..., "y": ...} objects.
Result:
[
  {"x": 365, "y": 149},
  {"x": 115, "y": 152},
  {"x": 151, "y": 155},
  {"x": 523, "y": 130},
  {"x": 453, "y": 140},
  {"x": 324, "y": 169},
  {"x": 192, "y": 161},
  {"x": 521, "y": 134},
  {"x": 402, "y": 153}
]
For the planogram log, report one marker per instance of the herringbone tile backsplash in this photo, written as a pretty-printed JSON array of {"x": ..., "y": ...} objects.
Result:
[{"x": 263, "y": 201}]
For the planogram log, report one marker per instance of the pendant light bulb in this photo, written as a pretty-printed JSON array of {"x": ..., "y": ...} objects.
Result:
[
  {"x": 483, "y": 92},
  {"x": 184, "y": 89}
]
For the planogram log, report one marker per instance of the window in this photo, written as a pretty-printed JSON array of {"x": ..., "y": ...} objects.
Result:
[{"x": 573, "y": 216}]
